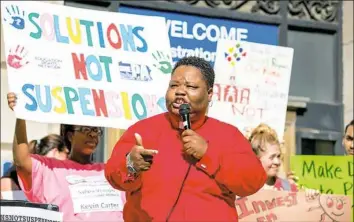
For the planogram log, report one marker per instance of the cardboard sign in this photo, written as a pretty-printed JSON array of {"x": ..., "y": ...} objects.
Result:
[{"x": 287, "y": 206}]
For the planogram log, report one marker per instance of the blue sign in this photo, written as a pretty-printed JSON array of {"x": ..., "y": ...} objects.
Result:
[{"x": 192, "y": 35}]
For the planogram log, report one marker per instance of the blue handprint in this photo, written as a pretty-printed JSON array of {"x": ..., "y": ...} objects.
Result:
[{"x": 15, "y": 17}]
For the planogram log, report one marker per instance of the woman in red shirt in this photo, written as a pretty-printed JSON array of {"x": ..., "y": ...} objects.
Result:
[{"x": 194, "y": 174}]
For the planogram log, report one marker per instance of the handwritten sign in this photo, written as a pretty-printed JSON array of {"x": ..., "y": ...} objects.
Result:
[
  {"x": 285, "y": 206},
  {"x": 251, "y": 84},
  {"x": 79, "y": 66},
  {"x": 329, "y": 174}
]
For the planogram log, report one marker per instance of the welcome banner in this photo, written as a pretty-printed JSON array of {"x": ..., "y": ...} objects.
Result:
[{"x": 85, "y": 67}]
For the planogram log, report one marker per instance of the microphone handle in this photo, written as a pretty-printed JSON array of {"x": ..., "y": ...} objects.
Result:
[{"x": 186, "y": 121}]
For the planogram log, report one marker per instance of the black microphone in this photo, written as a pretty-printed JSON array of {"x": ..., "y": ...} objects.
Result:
[{"x": 184, "y": 111}]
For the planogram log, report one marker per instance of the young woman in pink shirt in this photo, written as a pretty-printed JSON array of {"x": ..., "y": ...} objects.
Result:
[
  {"x": 77, "y": 185},
  {"x": 50, "y": 146}
]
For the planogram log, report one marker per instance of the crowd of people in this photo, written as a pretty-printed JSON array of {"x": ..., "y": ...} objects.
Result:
[{"x": 158, "y": 171}]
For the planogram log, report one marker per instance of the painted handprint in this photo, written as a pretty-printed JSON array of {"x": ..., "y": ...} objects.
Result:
[
  {"x": 162, "y": 62},
  {"x": 15, "y": 17},
  {"x": 17, "y": 58}
]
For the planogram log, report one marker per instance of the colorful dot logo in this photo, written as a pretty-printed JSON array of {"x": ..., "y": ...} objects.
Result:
[{"x": 235, "y": 54}]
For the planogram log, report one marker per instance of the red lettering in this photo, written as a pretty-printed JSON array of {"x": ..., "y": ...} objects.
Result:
[
  {"x": 293, "y": 195},
  {"x": 245, "y": 94},
  {"x": 261, "y": 219},
  {"x": 280, "y": 201},
  {"x": 79, "y": 66},
  {"x": 258, "y": 204},
  {"x": 231, "y": 93},
  {"x": 217, "y": 91},
  {"x": 241, "y": 203},
  {"x": 100, "y": 102},
  {"x": 118, "y": 44},
  {"x": 271, "y": 217},
  {"x": 270, "y": 204}
]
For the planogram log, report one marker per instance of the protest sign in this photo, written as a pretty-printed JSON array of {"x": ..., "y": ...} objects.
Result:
[
  {"x": 329, "y": 174},
  {"x": 251, "y": 84},
  {"x": 282, "y": 206},
  {"x": 24, "y": 211},
  {"x": 85, "y": 67}
]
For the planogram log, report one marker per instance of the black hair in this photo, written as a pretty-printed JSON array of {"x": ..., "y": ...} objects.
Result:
[
  {"x": 349, "y": 124},
  {"x": 205, "y": 68},
  {"x": 47, "y": 143},
  {"x": 64, "y": 130}
]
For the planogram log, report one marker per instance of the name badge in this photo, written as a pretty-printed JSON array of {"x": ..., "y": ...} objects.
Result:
[{"x": 93, "y": 194}]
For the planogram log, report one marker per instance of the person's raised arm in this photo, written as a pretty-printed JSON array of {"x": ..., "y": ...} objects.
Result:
[{"x": 21, "y": 153}]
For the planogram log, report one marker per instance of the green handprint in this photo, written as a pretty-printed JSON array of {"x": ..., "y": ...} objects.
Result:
[{"x": 162, "y": 62}]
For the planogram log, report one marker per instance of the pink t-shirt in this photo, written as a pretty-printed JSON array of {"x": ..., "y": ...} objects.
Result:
[{"x": 81, "y": 191}]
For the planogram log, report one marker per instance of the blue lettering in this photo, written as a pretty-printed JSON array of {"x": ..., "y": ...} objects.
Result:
[
  {"x": 83, "y": 92},
  {"x": 33, "y": 106},
  {"x": 144, "y": 47}
]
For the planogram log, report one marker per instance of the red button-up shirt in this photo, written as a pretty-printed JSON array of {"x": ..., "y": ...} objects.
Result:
[{"x": 228, "y": 168}]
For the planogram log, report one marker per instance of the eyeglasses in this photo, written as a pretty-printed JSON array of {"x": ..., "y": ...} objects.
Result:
[{"x": 87, "y": 130}]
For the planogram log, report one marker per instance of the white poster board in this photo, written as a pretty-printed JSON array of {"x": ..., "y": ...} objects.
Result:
[
  {"x": 251, "y": 84},
  {"x": 85, "y": 67},
  {"x": 13, "y": 213}
]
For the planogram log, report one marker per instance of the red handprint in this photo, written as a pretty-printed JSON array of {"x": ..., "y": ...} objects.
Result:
[{"x": 17, "y": 59}]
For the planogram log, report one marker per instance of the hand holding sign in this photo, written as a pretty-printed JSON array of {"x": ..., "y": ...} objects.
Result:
[
  {"x": 292, "y": 177},
  {"x": 11, "y": 100},
  {"x": 140, "y": 157}
]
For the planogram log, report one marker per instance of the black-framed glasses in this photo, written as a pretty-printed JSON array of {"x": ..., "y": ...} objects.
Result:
[{"x": 88, "y": 129}]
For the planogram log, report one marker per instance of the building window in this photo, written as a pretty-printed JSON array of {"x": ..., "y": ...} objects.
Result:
[
  {"x": 313, "y": 74},
  {"x": 317, "y": 147}
]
